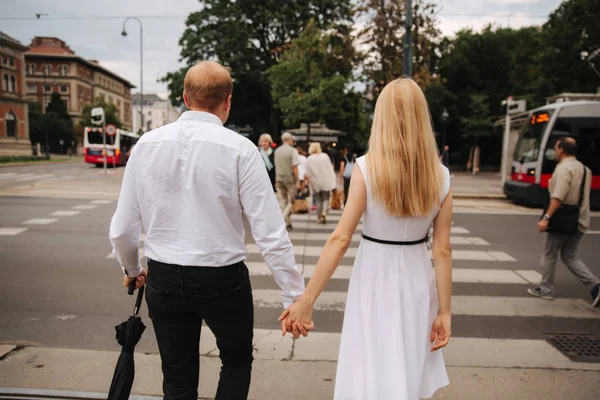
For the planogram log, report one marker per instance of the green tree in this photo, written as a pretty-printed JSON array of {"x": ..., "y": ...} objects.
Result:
[
  {"x": 572, "y": 30},
  {"x": 479, "y": 123},
  {"x": 36, "y": 123},
  {"x": 383, "y": 34},
  {"x": 250, "y": 36},
  {"x": 58, "y": 124},
  {"x": 310, "y": 81}
]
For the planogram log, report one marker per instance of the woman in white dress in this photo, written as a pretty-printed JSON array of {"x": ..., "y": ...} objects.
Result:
[
  {"x": 398, "y": 307},
  {"x": 321, "y": 178}
]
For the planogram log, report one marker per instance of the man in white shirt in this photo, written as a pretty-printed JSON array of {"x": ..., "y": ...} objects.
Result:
[{"x": 186, "y": 185}]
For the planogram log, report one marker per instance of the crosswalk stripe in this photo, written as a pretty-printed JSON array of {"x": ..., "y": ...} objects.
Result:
[
  {"x": 7, "y": 175},
  {"x": 6, "y": 231},
  {"x": 461, "y": 305},
  {"x": 64, "y": 213},
  {"x": 34, "y": 177},
  {"x": 462, "y": 255}
]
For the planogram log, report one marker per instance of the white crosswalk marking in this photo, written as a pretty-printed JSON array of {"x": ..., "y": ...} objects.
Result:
[
  {"x": 34, "y": 177},
  {"x": 40, "y": 221},
  {"x": 85, "y": 207},
  {"x": 11, "y": 231},
  {"x": 101, "y": 202},
  {"x": 64, "y": 213}
]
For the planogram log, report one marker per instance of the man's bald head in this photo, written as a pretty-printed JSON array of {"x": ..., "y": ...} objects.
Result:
[
  {"x": 207, "y": 85},
  {"x": 568, "y": 145}
]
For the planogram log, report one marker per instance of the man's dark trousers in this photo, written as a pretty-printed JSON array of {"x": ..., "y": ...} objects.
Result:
[{"x": 179, "y": 298}]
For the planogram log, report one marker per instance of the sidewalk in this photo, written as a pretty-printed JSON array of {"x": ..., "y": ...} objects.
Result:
[
  {"x": 91, "y": 371},
  {"x": 484, "y": 185}
]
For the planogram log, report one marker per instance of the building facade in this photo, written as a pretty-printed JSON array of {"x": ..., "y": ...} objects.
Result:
[
  {"x": 51, "y": 66},
  {"x": 158, "y": 111},
  {"x": 14, "y": 118}
]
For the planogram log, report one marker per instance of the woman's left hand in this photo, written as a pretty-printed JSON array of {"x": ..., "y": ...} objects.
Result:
[{"x": 297, "y": 318}]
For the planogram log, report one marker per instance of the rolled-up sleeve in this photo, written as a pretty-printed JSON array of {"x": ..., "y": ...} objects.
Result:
[
  {"x": 126, "y": 224},
  {"x": 562, "y": 177},
  {"x": 268, "y": 227}
]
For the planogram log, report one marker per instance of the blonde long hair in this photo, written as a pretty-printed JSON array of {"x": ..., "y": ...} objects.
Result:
[{"x": 403, "y": 159}]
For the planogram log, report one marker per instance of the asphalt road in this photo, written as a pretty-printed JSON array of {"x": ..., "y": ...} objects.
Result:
[
  {"x": 30, "y": 174},
  {"x": 59, "y": 289}
]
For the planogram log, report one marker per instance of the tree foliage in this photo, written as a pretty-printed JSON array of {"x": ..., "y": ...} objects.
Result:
[
  {"x": 479, "y": 123},
  {"x": 249, "y": 36}
]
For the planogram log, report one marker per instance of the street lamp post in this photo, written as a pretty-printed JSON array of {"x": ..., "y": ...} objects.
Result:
[
  {"x": 124, "y": 33},
  {"x": 445, "y": 116}
]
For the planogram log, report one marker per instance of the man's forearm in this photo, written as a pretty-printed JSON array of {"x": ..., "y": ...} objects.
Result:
[
  {"x": 554, "y": 205},
  {"x": 295, "y": 169}
]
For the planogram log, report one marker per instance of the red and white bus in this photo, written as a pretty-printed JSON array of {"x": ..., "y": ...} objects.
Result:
[
  {"x": 534, "y": 161},
  {"x": 117, "y": 146}
]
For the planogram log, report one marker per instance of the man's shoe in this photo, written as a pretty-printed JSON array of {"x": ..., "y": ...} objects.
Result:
[
  {"x": 596, "y": 296},
  {"x": 288, "y": 227},
  {"x": 537, "y": 292}
]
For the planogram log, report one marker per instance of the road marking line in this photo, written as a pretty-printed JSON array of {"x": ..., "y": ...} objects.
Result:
[
  {"x": 11, "y": 231},
  {"x": 65, "y": 213},
  {"x": 459, "y": 275},
  {"x": 31, "y": 178},
  {"x": 7, "y": 175},
  {"x": 40, "y": 221},
  {"x": 501, "y": 256},
  {"x": 101, "y": 202},
  {"x": 85, "y": 207},
  {"x": 531, "y": 276},
  {"x": 461, "y": 305},
  {"x": 457, "y": 230}
]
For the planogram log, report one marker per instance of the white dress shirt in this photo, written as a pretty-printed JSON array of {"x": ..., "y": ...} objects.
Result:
[{"x": 186, "y": 185}]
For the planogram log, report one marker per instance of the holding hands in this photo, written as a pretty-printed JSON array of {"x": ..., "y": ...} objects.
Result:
[{"x": 297, "y": 319}]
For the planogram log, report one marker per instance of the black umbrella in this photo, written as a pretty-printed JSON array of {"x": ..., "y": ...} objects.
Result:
[{"x": 128, "y": 336}]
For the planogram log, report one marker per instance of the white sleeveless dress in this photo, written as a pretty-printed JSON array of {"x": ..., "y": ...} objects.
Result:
[{"x": 391, "y": 305}]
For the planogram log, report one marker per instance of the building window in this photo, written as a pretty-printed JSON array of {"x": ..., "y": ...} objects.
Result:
[
  {"x": 5, "y": 83},
  {"x": 32, "y": 88},
  {"x": 4, "y": 60},
  {"x": 63, "y": 70},
  {"x": 64, "y": 88},
  {"x": 48, "y": 88},
  {"x": 30, "y": 69},
  {"x": 11, "y": 124},
  {"x": 11, "y": 62},
  {"x": 13, "y": 86}
]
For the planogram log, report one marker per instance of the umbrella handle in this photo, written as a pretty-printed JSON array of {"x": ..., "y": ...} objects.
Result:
[
  {"x": 138, "y": 300},
  {"x": 131, "y": 288}
]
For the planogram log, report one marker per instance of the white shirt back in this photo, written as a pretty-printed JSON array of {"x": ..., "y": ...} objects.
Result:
[{"x": 186, "y": 185}]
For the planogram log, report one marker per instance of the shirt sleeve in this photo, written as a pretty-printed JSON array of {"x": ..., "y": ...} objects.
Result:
[
  {"x": 268, "y": 228},
  {"x": 295, "y": 157},
  {"x": 562, "y": 177},
  {"x": 126, "y": 224}
]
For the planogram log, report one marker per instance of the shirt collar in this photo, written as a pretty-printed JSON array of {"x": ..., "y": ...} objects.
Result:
[
  {"x": 200, "y": 116},
  {"x": 567, "y": 159}
]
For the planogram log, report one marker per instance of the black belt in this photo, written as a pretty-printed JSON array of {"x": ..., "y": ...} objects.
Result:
[{"x": 395, "y": 243}]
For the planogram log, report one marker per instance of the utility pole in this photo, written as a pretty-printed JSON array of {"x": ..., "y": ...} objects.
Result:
[{"x": 407, "y": 59}]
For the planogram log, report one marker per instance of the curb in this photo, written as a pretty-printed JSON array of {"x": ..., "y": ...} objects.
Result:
[{"x": 488, "y": 196}]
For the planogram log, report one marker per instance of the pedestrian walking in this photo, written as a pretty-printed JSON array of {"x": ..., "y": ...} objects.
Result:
[
  {"x": 286, "y": 176},
  {"x": 187, "y": 184},
  {"x": 321, "y": 178},
  {"x": 264, "y": 142},
  {"x": 398, "y": 309},
  {"x": 302, "y": 161},
  {"x": 445, "y": 157},
  {"x": 565, "y": 221},
  {"x": 347, "y": 165}
]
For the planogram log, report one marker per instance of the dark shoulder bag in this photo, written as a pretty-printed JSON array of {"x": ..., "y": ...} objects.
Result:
[{"x": 566, "y": 218}]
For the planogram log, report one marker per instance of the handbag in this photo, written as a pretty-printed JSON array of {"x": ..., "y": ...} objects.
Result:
[
  {"x": 566, "y": 218},
  {"x": 348, "y": 168}
]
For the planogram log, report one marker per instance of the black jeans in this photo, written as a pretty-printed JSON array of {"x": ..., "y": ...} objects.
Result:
[
  {"x": 179, "y": 298},
  {"x": 346, "y": 189}
]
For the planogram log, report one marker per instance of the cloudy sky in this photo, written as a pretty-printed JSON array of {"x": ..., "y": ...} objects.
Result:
[{"x": 92, "y": 28}]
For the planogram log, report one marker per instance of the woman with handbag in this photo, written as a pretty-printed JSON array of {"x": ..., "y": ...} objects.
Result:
[
  {"x": 268, "y": 155},
  {"x": 348, "y": 160},
  {"x": 565, "y": 220},
  {"x": 321, "y": 178}
]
